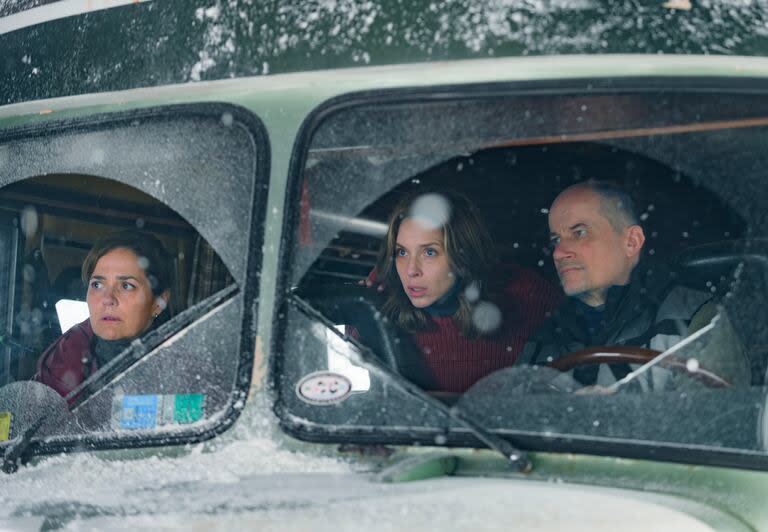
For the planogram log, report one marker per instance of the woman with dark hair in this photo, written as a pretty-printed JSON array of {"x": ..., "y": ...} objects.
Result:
[
  {"x": 128, "y": 275},
  {"x": 468, "y": 314}
]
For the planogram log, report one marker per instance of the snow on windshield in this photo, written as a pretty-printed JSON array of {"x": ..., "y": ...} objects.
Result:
[{"x": 492, "y": 151}]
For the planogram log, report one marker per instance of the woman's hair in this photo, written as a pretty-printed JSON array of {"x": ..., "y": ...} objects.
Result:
[
  {"x": 153, "y": 258},
  {"x": 471, "y": 255}
]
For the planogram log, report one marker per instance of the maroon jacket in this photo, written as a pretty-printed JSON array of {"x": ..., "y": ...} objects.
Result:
[{"x": 62, "y": 366}]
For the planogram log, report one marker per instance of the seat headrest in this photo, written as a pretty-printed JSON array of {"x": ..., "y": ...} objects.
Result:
[{"x": 709, "y": 265}]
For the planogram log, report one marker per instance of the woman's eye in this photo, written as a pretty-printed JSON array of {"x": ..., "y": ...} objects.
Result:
[
  {"x": 430, "y": 252},
  {"x": 400, "y": 252},
  {"x": 95, "y": 284}
]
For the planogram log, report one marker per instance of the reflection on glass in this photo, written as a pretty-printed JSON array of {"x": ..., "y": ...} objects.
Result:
[
  {"x": 338, "y": 361},
  {"x": 71, "y": 312}
]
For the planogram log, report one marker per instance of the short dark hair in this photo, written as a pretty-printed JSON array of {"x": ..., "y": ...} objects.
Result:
[
  {"x": 616, "y": 205},
  {"x": 157, "y": 265}
]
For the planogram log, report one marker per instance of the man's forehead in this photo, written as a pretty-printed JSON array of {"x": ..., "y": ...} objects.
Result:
[{"x": 575, "y": 206}]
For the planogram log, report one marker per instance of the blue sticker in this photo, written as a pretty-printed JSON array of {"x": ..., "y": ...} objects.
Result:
[
  {"x": 138, "y": 412},
  {"x": 132, "y": 412}
]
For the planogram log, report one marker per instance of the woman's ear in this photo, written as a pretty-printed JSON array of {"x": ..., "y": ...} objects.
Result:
[{"x": 161, "y": 302}]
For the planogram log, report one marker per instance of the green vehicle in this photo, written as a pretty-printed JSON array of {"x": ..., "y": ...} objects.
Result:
[{"x": 265, "y": 147}]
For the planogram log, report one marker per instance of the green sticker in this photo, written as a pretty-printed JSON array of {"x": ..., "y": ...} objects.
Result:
[
  {"x": 189, "y": 407},
  {"x": 5, "y": 426}
]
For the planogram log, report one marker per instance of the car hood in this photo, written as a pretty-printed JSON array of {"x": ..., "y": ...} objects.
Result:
[
  {"x": 354, "y": 502},
  {"x": 255, "y": 484}
]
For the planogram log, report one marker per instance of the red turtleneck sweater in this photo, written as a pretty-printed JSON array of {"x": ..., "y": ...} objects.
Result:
[{"x": 457, "y": 362}]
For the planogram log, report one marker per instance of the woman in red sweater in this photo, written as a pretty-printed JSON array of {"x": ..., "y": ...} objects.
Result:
[
  {"x": 128, "y": 275},
  {"x": 468, "y": 314}
]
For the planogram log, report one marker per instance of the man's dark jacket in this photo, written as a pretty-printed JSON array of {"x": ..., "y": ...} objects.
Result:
[{"x": 652, "y": 311}]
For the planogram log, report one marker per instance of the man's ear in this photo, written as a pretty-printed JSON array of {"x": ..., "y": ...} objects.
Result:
[{"x": 634, "y": 241}]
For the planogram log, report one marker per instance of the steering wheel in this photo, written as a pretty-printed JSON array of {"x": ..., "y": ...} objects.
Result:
[{"x": 613, "y": 354}]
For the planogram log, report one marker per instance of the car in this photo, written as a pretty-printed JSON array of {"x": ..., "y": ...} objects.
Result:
[{"x": 266, "y": 146}]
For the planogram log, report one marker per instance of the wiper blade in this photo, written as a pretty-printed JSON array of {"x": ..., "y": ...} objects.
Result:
[
  {"x": 372, "y": 362},
  {"x": 15, "y": 452},
  {"x": 658, "y": 359}
]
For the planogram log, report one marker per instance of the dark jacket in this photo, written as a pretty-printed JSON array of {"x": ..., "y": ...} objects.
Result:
[
  {"x": 652, "y": 311},
  {"x": 67, "y": 362}
]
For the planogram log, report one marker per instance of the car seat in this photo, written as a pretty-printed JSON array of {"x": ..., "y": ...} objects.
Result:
[{"x": 736, "y": 272}]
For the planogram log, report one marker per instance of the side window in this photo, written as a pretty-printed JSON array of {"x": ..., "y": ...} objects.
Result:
[
  {"x": 125, "y": 276},
  {"x": 509, "y": 157},
  {"x": 53, "y": 223}
]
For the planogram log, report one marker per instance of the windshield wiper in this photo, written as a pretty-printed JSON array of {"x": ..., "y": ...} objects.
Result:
[
  {"x": 662, "y": 356},
  {"x": 371, "y": 361},
  {"x": 14, "y": 453}
]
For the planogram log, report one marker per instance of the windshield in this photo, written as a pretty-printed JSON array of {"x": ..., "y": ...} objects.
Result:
[
  {"x": 157, "y": 43},
  {"x": 123, "y": 275},
  {"x": 574, "y": 271}
]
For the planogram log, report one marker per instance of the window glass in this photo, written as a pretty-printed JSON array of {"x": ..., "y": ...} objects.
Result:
[
  {"x": 691, "y": 292},
  {"x": 125, "y": 241},
  {"x": 56, "y": 221}
]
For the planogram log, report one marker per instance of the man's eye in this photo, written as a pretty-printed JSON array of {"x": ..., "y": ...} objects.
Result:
[
  {"x": 95, "y": 284},
  {"x": 580, "y": 233},
  {"x": 554, "y": 241},
  {"x": 128, "y": 286}
]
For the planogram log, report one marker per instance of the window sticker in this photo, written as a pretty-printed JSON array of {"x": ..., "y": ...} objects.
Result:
[
  {"x": 133, "y": 412},
  {"x": 5, "y": 426},
  {"x": 324, "y": 388}
]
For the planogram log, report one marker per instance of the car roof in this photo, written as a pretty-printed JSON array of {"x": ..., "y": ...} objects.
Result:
[
  {"x": 314, "y": 87},
  {"x": 149, "y": 44}
]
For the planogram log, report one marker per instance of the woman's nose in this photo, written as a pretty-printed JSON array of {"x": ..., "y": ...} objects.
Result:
[
  {"x": 108, "y": 298},
  {"x": 414, "y": 268}
]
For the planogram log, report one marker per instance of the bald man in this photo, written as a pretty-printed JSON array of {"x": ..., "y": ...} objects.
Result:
[{"x": 614, "y": 298}]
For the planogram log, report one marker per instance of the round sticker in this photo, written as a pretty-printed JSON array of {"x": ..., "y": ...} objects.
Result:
[{"x": 323, "y": 388}]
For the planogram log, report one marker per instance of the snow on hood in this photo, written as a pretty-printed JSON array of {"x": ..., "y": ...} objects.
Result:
[
  {"x": 339, "y": 502},
  {"x": 247, "y": 480},
  {"x": 88, "y": 483}
]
